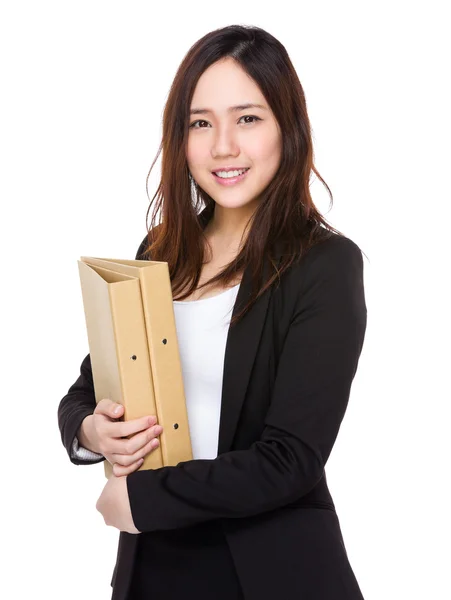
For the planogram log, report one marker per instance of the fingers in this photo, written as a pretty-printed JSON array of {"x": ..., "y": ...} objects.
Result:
[
  {"x": 120, "y": 471},
  {"x": 124, "y": 464},
  {"x": 113, "y": 410},
  {"x": 125, "y": 442},
  {"x": 126, "y": 428},
  {"x": 130, "y": 447}
]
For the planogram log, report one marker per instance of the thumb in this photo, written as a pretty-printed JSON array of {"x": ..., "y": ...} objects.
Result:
[
  {"x": 116, "y": 409},
  {"x": 109, "y": 408}
]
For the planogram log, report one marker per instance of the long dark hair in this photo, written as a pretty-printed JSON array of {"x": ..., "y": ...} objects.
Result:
[{"x": 286, "y": 213}]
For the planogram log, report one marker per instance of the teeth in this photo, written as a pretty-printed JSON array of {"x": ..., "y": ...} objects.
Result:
[{"x": 228, "y": 174}]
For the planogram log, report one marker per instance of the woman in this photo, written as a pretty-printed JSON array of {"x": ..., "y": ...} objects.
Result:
[{"x": 271, "y": 317}]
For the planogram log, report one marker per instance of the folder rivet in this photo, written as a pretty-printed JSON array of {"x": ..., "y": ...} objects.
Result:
[
  {"x": 176, "y": 425},
  {"x": 165, "y": 341},
  {"x": 133, "y": 357}
]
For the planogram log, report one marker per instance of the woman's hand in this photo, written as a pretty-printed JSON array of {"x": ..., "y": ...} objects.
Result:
[
  {"x": 114, "y": 505},
  {"x": 102, "y": 433}
]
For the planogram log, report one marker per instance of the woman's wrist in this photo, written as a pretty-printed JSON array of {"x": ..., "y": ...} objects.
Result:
[{"x": 84, "y": 434}]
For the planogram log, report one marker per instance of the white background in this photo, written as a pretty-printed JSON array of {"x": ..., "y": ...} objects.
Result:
[{"x": 83, "y": 90}]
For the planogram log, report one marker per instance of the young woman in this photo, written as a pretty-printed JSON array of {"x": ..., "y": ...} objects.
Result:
[{"x": 271, "y": 317}]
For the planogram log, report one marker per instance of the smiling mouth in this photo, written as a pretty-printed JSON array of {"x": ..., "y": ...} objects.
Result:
[
  {"x": 230, "y": 180},
  {"x": 228, "y": 174}
]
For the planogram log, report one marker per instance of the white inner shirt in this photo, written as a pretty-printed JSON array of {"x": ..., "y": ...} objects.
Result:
[{"x": 202, "y": 329}]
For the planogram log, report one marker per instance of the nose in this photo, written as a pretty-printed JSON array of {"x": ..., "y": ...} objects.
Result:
[{"x": 224, "y": 142}]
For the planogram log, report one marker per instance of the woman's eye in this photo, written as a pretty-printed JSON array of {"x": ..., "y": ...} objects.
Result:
[
  {"x": 251, "y": 117},
  {"x": 194, "y": 125}
]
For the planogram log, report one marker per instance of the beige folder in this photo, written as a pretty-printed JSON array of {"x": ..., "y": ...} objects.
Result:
[{"x": 134, "y": 348}]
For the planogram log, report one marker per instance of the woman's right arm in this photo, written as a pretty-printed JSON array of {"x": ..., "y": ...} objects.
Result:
[{"x": 75, "y": 406}]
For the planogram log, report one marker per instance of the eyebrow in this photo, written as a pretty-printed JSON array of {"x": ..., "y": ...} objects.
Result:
[{"x": 238, "y": 107}]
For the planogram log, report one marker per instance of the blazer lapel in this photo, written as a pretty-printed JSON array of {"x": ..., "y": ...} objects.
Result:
[{"x": 241, "y": 348}]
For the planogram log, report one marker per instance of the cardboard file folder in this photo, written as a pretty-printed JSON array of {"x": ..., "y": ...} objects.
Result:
[{"x": 134, "y": 349}]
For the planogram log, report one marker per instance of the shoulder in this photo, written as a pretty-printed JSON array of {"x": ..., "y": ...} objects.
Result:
[
  {"x": 329, "y": 274},
  {"x": 333, "y": 257},
  {"x": 332, "y": 281},
  {"x": 333, "y": 250}
]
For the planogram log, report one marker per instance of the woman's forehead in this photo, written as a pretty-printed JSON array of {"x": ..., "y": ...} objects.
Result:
[{"x": 225, "y": 85}]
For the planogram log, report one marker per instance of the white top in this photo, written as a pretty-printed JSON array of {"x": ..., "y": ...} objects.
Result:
[{"x": 202, "y": 328}]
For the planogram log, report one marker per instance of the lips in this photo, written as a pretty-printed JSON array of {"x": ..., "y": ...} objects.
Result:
[
  {"x": 227, "y": 169},
  {"x": 229, "y": 181}
]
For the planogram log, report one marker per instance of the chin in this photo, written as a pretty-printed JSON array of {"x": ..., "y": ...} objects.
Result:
[{"x": 231, "y": 203}]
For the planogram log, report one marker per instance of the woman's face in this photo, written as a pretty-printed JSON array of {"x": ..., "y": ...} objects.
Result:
[{"x": 221, "y": 136}]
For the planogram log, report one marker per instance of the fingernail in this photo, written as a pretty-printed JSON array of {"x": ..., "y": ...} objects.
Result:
[{"x": 117, "y": 409}]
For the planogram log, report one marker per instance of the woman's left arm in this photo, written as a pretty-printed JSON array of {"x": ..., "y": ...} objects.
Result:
[{"x": 316, "y": 368}]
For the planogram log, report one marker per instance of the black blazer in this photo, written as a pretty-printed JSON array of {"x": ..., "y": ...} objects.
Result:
[{"x": 288, "y": 369}]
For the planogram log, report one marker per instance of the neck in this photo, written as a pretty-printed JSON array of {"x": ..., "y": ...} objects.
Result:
[{"x": 227, "y": 226}]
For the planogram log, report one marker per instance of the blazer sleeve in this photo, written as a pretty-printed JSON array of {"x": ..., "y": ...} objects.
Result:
[
  {"x": 317, "y": 364},
  {"x": 79, "y": 402}
]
